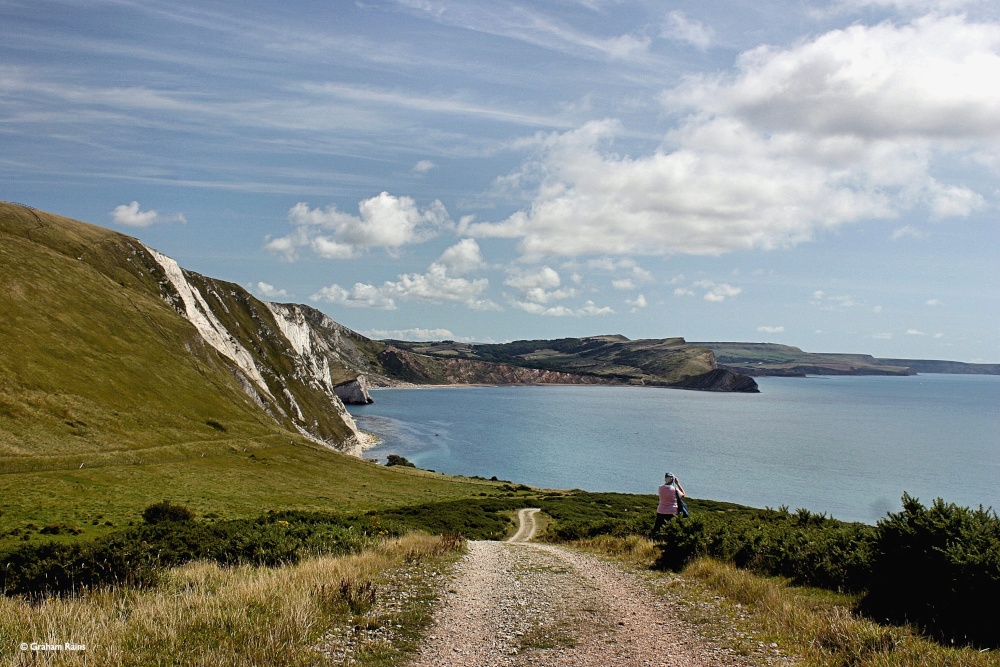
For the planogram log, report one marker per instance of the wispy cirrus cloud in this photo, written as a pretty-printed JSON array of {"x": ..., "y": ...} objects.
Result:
[{"x": 681, "y": 28}]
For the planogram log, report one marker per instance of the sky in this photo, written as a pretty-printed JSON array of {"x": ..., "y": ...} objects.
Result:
[{"x": 817, "y": 174}]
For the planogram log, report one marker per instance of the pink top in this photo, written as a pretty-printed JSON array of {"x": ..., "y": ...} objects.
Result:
[{"x": 668, "y": 499}]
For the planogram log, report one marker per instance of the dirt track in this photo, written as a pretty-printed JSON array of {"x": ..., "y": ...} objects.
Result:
[{"x": 519, "y": 603}]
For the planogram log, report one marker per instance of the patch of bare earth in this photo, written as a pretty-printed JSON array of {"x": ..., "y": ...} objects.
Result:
[{"x": 522, "y": 604}]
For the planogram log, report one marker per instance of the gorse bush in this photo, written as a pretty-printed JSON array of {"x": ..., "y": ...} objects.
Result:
[
  {"x": 166, "y": 511},
  {"x": 397, "y": 460},
  {"x": 810, "y": 549},
  {"x": 938, "y": 567},
  {"x": 136, "y": 556}
]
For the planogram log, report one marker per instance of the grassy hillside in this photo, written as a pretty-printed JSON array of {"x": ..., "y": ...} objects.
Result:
[
  {"x": 110, "y": 400},
  {"x": 90, "y": 363}
]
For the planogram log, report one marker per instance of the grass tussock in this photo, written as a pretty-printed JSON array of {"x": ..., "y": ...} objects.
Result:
[
  {"x": 819, "y": 626},
  {"x": 202, "y": 614}
]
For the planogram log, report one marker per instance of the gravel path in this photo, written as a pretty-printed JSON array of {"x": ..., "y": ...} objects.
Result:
[{"x": 522, "y": 604}]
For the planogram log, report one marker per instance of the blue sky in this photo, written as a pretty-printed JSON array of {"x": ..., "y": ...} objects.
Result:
[{"x": 819, "y": 174}]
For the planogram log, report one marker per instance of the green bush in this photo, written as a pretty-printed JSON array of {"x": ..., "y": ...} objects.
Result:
[
  {"x": 397, "y": 460},
  {"x": 938, "y": 567},
  {"x": 166, "y": 511},
  {"x": 809, "y": 549},
  {"x": 135, "y": 556}
]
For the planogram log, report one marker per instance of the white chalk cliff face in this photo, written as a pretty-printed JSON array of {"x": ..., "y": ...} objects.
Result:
[{"x": 287, "y": 358}]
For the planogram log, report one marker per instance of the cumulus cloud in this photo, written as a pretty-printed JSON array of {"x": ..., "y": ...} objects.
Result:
[
  {"x": 384, "y": 221},
  {"x": 933, "y": 302},
  {"x": 588, "y": 309},
  {"x": 718, "y": 291},
  {"x": 463, "y": 257},
  {"x": 536, "y": 288},
  {"x": 131, "y": 215},
  {"x": 637, "y": 303},
  {"x": 848, "y": 126},
  {"x": 769, "y": 329},
  {"x": 915, "y": 332},
  {"x": 623, "y": 284},
  {"x": 270, "y": 291},
  {"x": 439, "y": 284}
]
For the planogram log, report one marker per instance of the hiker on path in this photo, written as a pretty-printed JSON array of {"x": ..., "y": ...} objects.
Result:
[{"x": 671, "y": 493}]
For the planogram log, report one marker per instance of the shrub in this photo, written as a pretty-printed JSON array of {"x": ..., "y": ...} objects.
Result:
[
  {"x": 938, "y": 567},
  {"x": 166, "y": 511},
  {"x": 396, "y": 460}
]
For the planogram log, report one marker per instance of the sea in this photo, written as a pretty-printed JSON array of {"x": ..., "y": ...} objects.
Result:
[{"x": 847, "y": 447}]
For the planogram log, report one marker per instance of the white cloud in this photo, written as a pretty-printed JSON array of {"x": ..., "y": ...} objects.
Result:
[
  {"x": 847, "y": 126},
  {"x": 683, "y": 291},
  {"x": 623, "y": 284},
  {"x": 718, "y": 292},
  {"x": 384, "y": 221},
  {"x": 915, "y": 332},
  {"x": 416, "y": 334},
  {"x": 439, "y": 284},
  {"x": 681, "y": 28},
  {"x": 463, "y": 257},
  {"x": 938, "y": 335},
  {"x": 270, "y": 291},
  {"x": 588, "y": 309},
  {"x": 423, "y": 166},
  {"x": 130, "y": 215},
  {"x": 768, "y": 329},
  {"x": 933, "y": 302},
  {"x": 537, "y": 287},
  {"x": 637, "y": 303},
  {"x": 882, "y": 336}
]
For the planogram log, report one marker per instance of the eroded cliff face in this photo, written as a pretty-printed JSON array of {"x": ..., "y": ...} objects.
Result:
[{"x": 286, "y": 360}]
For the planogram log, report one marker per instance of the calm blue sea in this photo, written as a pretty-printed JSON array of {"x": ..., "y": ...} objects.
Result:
[{"x": 846, "y": 446}]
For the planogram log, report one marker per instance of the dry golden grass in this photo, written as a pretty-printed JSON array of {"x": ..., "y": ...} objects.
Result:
[
  {"x": 819, "y": 627},
  {"x": 206, "y": 615}
]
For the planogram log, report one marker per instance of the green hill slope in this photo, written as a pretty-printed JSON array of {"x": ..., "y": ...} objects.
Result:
[
  {"x": 95, "y": 363},
  {"x": 111, "y": 399}
]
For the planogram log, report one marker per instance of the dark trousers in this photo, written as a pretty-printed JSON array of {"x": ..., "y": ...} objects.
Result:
[{"x": 660, "y": 520}]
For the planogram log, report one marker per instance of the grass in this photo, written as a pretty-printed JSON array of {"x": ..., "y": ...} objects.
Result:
[
  {"x": 203, "y": 614},
  {"x": 226, "y": 483}
]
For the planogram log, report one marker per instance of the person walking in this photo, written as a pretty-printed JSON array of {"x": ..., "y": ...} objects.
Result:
[{"x": 671, "y": 493}]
